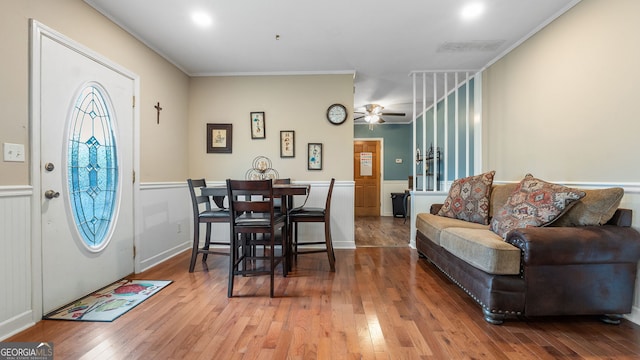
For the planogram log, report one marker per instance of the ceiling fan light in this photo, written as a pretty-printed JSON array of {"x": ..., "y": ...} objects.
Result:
[{"x": 373, "y": 108}]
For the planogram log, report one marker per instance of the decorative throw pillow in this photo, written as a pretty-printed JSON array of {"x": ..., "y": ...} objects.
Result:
[
  {"x": 468, "y": 199},
  {"x": 596, "y": 208},
  {"x": 533, "y": 203}
]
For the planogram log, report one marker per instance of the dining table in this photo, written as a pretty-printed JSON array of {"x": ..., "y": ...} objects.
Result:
[{"x": 284, "y": 191}]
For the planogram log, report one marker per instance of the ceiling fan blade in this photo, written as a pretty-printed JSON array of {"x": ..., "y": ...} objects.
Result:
[
  {"x": 380, "y": 120},
  {"x": 393, "y": 114},
  {"x": 358, "y": 118}
]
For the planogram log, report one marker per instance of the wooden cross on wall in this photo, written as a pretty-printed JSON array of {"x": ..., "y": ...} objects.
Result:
[{"x": 158, "y": 108}]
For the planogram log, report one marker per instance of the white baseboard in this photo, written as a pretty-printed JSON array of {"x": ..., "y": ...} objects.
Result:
[
  {"x": 164, "y": 256},
  {"x": 634, "y": 317},
  {"x": 16, "y": 324}
]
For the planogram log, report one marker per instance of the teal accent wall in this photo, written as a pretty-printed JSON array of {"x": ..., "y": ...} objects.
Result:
[
  {"x": 397, "y": 145},
  {"x": 452, "y": 151},
  {"x": 398, "y": 139}
]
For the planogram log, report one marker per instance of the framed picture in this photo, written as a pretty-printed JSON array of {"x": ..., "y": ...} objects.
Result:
[
  {"x": 219, "y": 138},
  {"x": 314, "y": 156},
  {"x": 257, "y": 125},
  {"x": 287, "y": 144}
]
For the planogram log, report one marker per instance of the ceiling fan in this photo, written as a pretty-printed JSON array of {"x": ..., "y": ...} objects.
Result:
[{"x": 373, "y": 114}]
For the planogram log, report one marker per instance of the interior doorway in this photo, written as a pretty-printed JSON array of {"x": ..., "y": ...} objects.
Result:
[{"x": 367, "y": 174}]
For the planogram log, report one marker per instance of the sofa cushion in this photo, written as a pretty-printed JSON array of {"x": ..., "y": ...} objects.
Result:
[
  {"x": 499, "y": 195},
  {"x": 482, "y": 249},
  {"x": 468, "y": 199},
  {"x": 533, "y": 203},
  {"x": 595, "y": 208},
  {"x": 432, "y": 225}
]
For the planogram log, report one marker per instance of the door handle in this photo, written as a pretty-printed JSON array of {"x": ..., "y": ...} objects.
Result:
[{"x": 51, "y": 194}]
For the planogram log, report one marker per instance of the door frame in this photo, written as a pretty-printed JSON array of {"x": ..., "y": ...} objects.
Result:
[
  {"x": 380, "y": 166},
  {"x": 37, "y": 32}
]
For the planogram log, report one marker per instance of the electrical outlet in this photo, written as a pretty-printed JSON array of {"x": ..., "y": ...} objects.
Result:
[
  {"x": 13, "y": 152},
  {"x": 179, "y": 228}
]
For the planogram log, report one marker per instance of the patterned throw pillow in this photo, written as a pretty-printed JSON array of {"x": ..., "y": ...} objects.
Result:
[
  {"x": 468, "y": 199},
  {"x": 594, "y": 209},
  {"x": 533, "y": 203}
]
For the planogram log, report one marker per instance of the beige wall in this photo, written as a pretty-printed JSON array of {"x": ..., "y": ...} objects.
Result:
[
  {"x": 159, "y": 81},
  {"x": 564, "y": 105},
  {"x": 297, "y": 103}
]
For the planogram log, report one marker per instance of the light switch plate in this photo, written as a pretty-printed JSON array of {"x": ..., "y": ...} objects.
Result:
[
  {"x": 398, "y": 161},
  {"x": 13, "y": 152}
]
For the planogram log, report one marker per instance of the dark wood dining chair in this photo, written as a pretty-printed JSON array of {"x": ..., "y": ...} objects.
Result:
[
  {"x": 255, "y": 223},
  {"x": 305, "y": 214},
  {"x": 204, "y": 213},
  {"x": 277, "y": 202}
]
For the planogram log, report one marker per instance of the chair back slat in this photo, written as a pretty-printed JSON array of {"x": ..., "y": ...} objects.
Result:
[
  {"x": 252, "y": 206},
  {"x": 250, "y": 196},
  {"x": 197, "y": 200}
]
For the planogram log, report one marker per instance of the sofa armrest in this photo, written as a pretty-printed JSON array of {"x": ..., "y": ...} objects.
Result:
[
  {"x": 576, "y": 245},
  {"x": 622, "y": 217},
  {"x": 435, "y": 208}
]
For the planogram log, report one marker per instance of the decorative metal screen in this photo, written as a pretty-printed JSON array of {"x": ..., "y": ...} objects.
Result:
[{"x": 92, "y": 165}]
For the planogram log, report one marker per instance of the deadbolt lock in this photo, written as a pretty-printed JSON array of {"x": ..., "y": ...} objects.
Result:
[{"x": 49, "y": 166}]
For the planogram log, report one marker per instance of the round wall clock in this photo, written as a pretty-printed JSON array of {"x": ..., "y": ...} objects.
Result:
[{"x": 337, "y": 114}]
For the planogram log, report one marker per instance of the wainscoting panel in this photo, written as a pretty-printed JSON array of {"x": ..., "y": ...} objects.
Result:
[
  {"x": 163, "y": 227},
  {"x": 631, "y": 200},
  {"x": 15, "y": 260},
  {"x": 388, "y": 187},
  {"x": 342, "y": 214}
]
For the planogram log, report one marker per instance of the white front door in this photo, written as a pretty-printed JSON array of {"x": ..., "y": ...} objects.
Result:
[{"x": 86, "y": 167}]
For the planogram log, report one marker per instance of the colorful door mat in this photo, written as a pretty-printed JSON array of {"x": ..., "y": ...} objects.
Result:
[{"x": 109, "y": 303}]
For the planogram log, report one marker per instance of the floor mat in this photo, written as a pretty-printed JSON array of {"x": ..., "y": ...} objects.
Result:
[{"x": 110, "y": 302}]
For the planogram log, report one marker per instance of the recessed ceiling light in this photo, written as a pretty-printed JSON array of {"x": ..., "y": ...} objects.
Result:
[
  {"x": 201, "y": 18},
  {"x": 472, "y": 11}
]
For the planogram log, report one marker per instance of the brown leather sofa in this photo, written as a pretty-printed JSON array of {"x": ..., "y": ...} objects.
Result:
[{"x": 568, "y": 270}]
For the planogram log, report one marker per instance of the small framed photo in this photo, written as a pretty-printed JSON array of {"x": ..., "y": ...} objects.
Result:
[
  {"x": 314, "y": 156},
  {"x": 257, "y": 125},
  {"x": 287, "y": 144},
  {"x": 219, "y": 138}
]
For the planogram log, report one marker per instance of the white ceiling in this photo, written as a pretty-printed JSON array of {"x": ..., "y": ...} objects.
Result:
[{"x": 380, "y": 42}]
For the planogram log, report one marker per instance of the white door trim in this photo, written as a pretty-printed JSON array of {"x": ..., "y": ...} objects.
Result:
[{"x": 38, "y": 31}]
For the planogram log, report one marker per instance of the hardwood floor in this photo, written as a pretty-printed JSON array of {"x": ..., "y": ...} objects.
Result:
[
  {"x": 384, "y": 231},
  {"x": 381, "y": 303}
]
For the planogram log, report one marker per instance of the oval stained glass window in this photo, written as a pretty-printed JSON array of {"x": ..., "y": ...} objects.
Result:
[{"x": 92, "y": 167}]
